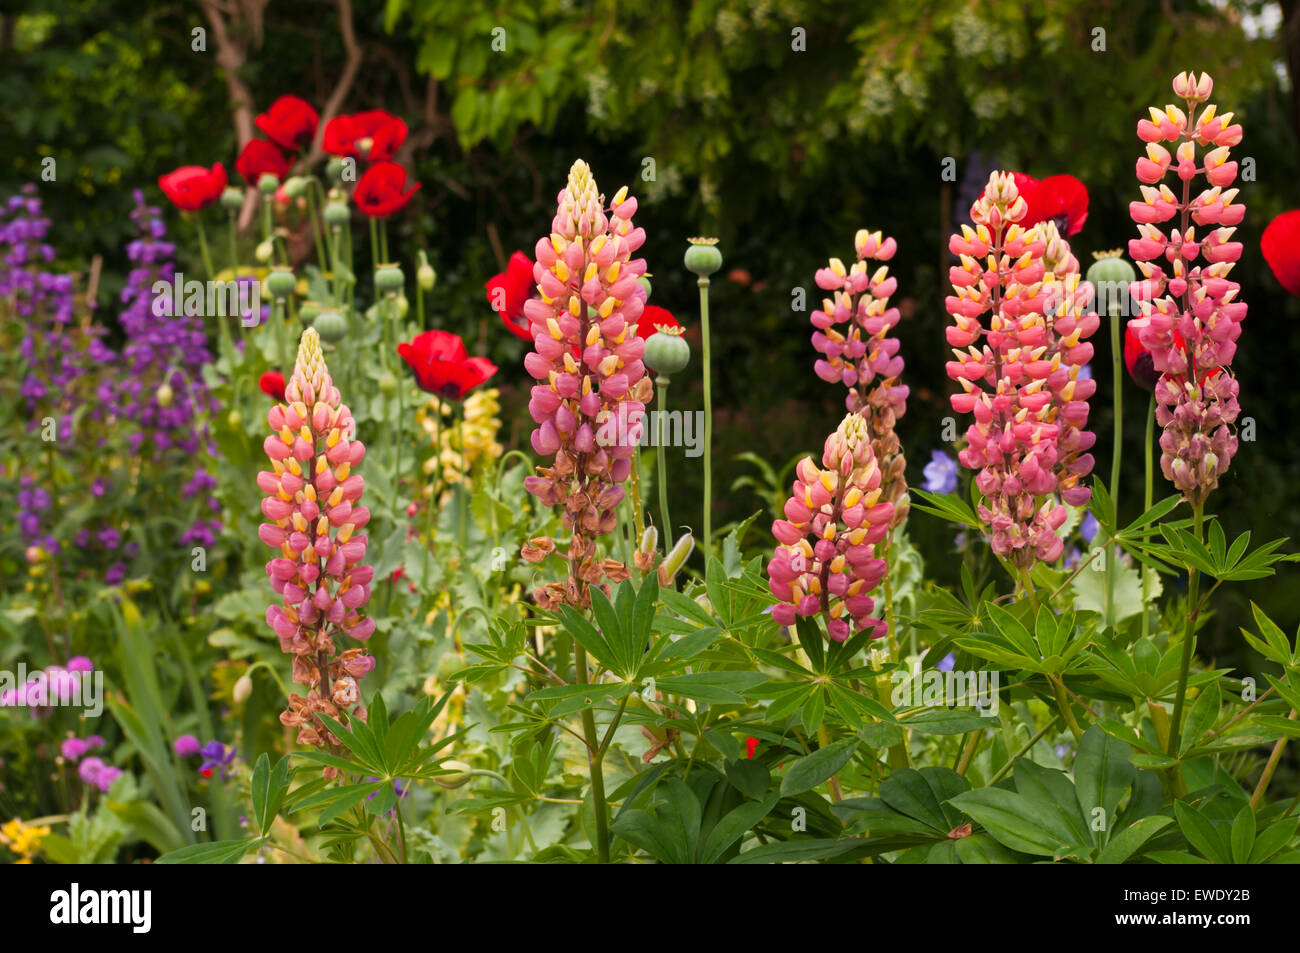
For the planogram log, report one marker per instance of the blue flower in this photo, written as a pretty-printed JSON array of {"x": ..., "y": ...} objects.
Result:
[
  {"x": 946, "y": 663},
  {"x": 1088, "y": 528},
  {"x": 1085, "y": 372},
  {"x": 940, "y": 473}
]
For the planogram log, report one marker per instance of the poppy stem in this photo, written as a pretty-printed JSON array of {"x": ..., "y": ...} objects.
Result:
[
  {"x": 661, "y": 462},
  {"x": 1117, "y": 451},
  {"x": 708, "y": 419},
  {"x": 234, "y": 274}
]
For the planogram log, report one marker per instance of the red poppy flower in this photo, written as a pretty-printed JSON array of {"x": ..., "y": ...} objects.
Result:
[
  {"x": 442, "y": 366},
  {"x": 1059, "y": 198},
  {"x": 380, "y": 192},
  {"x": 751, "y": 745},
  {"x": 1138, "y": 361},
  {"x": 652, "y": 319},
  {"x": 205, "y": 772},
  {"x": 260, "y": 157},
  {"x": 1141, "y": 366},
  {"x": 272, "y": 384},
  {"x": 1280, "y": 244},
  {"x": 373, "y": 136},
  {"x": 508, "y": 291},
  {"x": 192, "y": 187},
  {"x": 290, "y": 123}
]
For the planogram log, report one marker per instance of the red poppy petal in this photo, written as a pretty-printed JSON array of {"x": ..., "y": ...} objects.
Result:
[{"x": 1280, "y": 244}]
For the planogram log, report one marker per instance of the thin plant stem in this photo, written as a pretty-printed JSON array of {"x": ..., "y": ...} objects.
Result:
[
  {"x": 1273, "y": 759},
  {"x": 1185, "y": 663},
  {"x": 595, "y": 758},
  {"x": 1146, "y": 501},
  {"x": 1063, "y": 703},
  {"x": 823, "y": 741},
  {"x": 1117, "y": 453},
  {"x": 997, "y": 775},
  {"x": 661, "y": 461},
  {"x": 708, "y": 418},
  {"x": 972, "y": 742}
]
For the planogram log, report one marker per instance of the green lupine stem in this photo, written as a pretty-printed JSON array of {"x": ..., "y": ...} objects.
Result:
[
  {"x": 1146, "y": 502},
  {"x": 1063, "y": 704},
  {"x": 1270, "y": 768},
  {"x": 708, "y": 419},
  {"x": 661, "y": 460},
  {"x": 1117, "y": 452},
  {"x": 595, "y": 759},
  {"x": 1038, "y": 736},
  {"x": 1185, "y": 663}
]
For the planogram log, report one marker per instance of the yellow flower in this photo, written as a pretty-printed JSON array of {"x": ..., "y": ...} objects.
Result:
[
  {"x": 23, "y": 839},
  {"x": 460, "y": 445}
]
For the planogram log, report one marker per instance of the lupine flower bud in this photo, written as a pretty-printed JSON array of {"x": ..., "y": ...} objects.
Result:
[
  {"x": 1191, "y": 315},
  {"x": 313, "y": 518},
  {"x": 1020, "y": 374},
  {"x": 825, "y": 562}
]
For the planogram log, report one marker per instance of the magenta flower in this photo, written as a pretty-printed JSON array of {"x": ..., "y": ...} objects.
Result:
[
  {"x": 312, "y": 505},
  {"x": 186, "y": 746},
  {"x": 72, "y": 748},
  {"x": 592, "y": 386},
  {"x": 1191, "y": 317},
  {"x": 840, "y": 507},
  {"x": 1020, "y": 373}
]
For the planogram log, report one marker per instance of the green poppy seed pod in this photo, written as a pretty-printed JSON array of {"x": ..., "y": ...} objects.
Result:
[
  {"x": 232, "y": 199},
  {"x": 644, "y": 282},
  {"x": 164, "y": 395},
  {"x": 331, "y": 326},
  {"x": 295, "y": 186},
  {"x": 267, "y": 183},
  {"x": 280, "y": 282},
  {"x": 459, "y": 775},
  {"x": 336, "y": 214},
  {"x": 235, "y": 420},
  {"x": 402, "y": 306},
  {"x": 667, "y": 352},
  {"x": 334, "y": 169},
  {"x": 426, "y": 276},
  {"x": 308, "y": 311},
  {"x": 1110, "y": 266},
  {"x": 703, "y": 257},
  {"x": 676, "y": 558},
  {"x": 387, "y": 384},
  {"x": 263, "y": 251},
  {"x": 243, "y": 688},
  {"x": 389, "y": 278}
]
